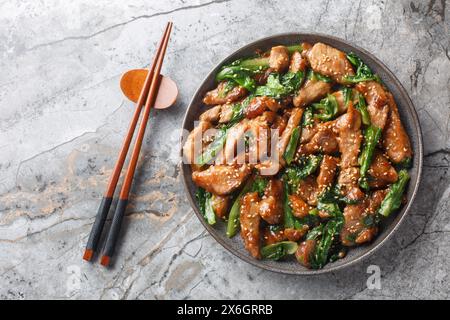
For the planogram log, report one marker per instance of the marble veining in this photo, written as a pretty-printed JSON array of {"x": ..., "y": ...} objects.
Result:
[{"x": 63, "y": 118}]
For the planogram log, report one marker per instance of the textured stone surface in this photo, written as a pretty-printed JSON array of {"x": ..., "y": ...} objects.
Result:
[{"x": 63, "y": 118}]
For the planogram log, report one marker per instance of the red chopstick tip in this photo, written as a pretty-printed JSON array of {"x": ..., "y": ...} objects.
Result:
[
  {"x": 88, "y": 253},
  {"x": 105, "y": 261}
]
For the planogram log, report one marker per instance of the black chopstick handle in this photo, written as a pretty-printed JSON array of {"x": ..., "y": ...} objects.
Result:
[
  {"x": 96, "y": 231},
  {"x": 114, "y": 231}
]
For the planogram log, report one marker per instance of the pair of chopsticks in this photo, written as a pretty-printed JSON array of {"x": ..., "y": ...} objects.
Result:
[{"x": 147, "y": 97}]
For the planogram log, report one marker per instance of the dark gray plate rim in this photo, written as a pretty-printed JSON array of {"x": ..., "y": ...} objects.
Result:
[{"x": 401, "y": 95}]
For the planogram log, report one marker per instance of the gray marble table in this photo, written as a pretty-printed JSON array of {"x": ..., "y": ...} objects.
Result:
[{"x": 63, "y": 117}]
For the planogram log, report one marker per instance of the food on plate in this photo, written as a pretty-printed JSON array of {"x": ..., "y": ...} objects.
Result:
[{"x": 301, "y": 151}]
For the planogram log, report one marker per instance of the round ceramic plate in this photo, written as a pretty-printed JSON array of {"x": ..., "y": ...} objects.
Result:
[{"x": 409, "y": 119}]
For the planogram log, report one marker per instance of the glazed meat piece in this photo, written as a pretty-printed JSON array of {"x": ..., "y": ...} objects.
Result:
[
  {"x": 266, "y": 119},
  {"x": 295, "y": 234},
  {"x": 324, "y": 141},
  {"x": 299, "y": 207},
  {"x": 234, "y": 141},
  {"x": 286, "y": 102},
  {"x": 348, "y": 182},
  {"x": 327, "y": 172},
  {"x": 250, "y": 221},
  {"x": 268, "y": 157},
  {"x": 308, "y": 191},
  {"x": 294, "y": 121},
  {"x": 330, "y": 62},
  {"x": 311, "y": 91},
  {"x": 272, "y": 236},
  {"x": 220, "y": 205},
  {"x": 340, "y": 99},
  {"x": 221, "y": 179},
  {"x": 258, "y": 105},
  {"x": 257, "y": 138},
  {"x": 349, "y": 137},
  {"x": 381, "y": 172},
  {"x": 268, "y": 168},
  {"x": 271, "y": 205},
  {"x": 220, "y": 96},
  {"x": 376, "y": 98},
  {"x": 298, "y": 63},
  {"x": 305, "y": 251},
  {"x": 280, "y": 123},
  {"x": 359, "y": 220},
  {"x": 309, "y": 131},
  {"x": 261, "y": 77},
  {"x": 395, "y": 139},
  {"x": 211, "y": 115},
  {"x": 226, "y": 113},
  {"x": 279, "y": 59},
  {"x": 348, "y": 127},
  {"x": 306, "y": 46},
  {"x": 193, "y": 146}
]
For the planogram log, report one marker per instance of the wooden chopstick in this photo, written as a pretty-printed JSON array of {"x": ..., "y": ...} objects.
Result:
[
  {"x": 105, "y": 204},
  {"x": 114, "y": 231}
]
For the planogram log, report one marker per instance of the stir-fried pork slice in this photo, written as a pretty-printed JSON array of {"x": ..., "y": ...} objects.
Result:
[
  {"x": 347, "y": 127},
  {"x": 273, "y": 236},
  {"x": 349, "y": 137},
  {"x": 330, "y": 62},
  {"x": 258, "y": 105},
  {"x": 280, "y": 123},
  {"x": 268, "y": 168},
  {"x": 279, "y": 59},
  {"x": 193, "y": 146},
  {"x": 353, "y": 225},
  {"x": 220, "y": 205},
  {"x": 376, "y": 102},
  {"x": 305, "y": 251},
  {"x": 261, "y": 77},
  {"x": 395, "y": 139},
  {"x": 257, "y": 139},
  {"x": 271, "y": 205},
  {"x": 226, "y": 113},
  {"x": 293, "y": 234},
  {"x": 340, "y": 99},
  {"x": 311, "y": 91},
  {"x": 293, "y": 122},
  {"x": 309, "y": 131},
  {"x": 359, "y": 220},
  {"x": 286, "y": 102},
  {"x": 266, "y": 119},
  {"x": 348, "y": 182},
  {"x": 220, "y": 96},
  {"x": 260, "y": 143},
  {"x": 234, "y": 141},
  {"x": 299, "y": 207},
  {"x": 221, "y": 179},
  {"x": 211, "y": 115},
  {"x": 306, "y": 46},
  {"x": 327, "y": 172},
  {"x": 323, "y": 141},
  {"x": 381, "y": 172},
  {"x": 250, "y": 221},
  {"x": 308, "y": 191},
  {"x": 298, "y": 63}
]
